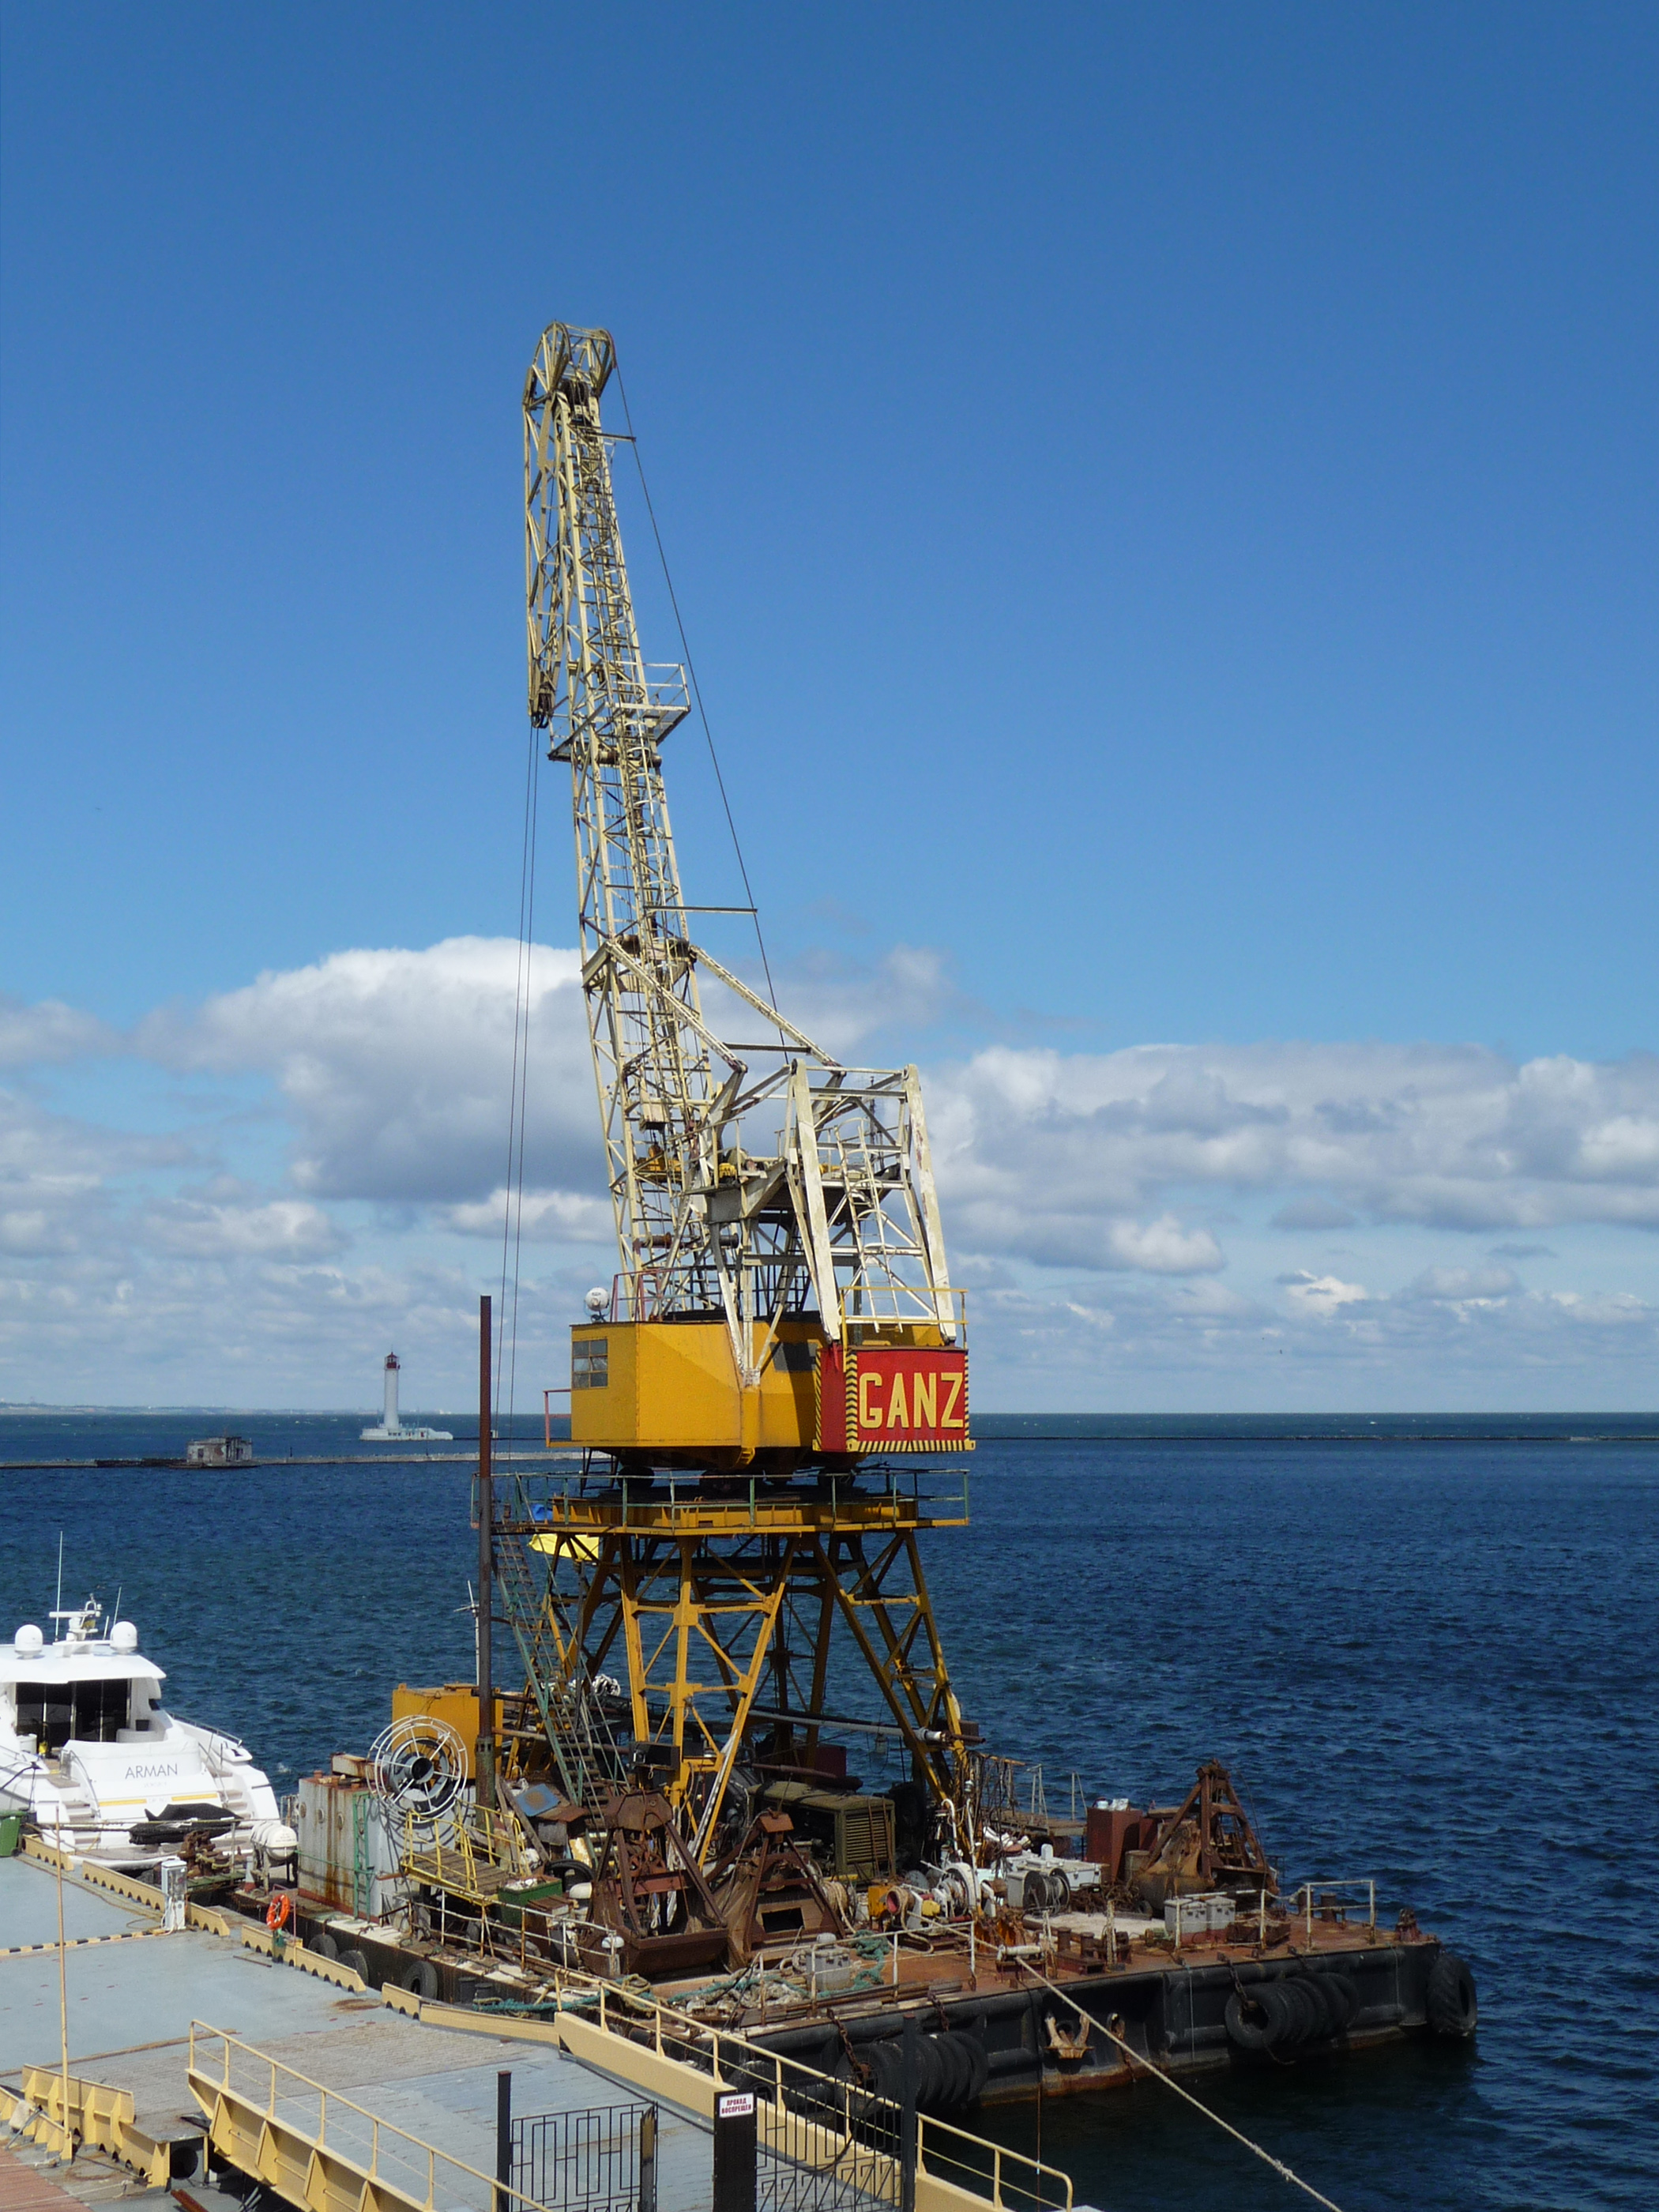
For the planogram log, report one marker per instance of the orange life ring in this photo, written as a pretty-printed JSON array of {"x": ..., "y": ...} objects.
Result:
[{"x": 279, "y": 1911}]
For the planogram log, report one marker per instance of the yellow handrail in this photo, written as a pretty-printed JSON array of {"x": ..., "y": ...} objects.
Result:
[
  {"x": 928, "y": 2126},
  {"x": 496, "y": 2192}
]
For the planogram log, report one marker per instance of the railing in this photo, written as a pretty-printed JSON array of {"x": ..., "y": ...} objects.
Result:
[
  {"x": 682, "y": 1501},
  {"x": 598, "y": 2159},
  {"x": 843, "y": 2128},
  {"x": 1330, "y": 1905},
  {"x": 637, "y": 1293},
  {"x": 287, "y": 2100},
  {"x": 474, "y": 1857}
]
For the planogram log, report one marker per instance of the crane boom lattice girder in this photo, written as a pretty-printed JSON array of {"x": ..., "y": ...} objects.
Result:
[{"x": 831, "y": 1209}]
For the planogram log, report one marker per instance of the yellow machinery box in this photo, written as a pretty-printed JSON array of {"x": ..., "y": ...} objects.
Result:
[
  {"x": 454, "y": 1702},
  {"x": 656, "y": 1385}
]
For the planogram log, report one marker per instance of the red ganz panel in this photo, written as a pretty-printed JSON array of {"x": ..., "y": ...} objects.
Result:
[{"x": 897, "y": 1400}]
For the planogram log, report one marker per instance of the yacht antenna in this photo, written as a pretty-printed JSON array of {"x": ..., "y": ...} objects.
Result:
[{"x": 58, "y": 1602}]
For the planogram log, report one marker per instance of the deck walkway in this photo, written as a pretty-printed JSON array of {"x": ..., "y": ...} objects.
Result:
[{"x": 131, "y": 2003}]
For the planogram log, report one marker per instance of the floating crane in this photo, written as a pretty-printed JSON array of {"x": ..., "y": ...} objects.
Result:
[{"x": 780, "y": 1326}]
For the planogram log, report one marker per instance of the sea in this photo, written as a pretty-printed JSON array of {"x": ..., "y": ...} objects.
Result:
[{"x": 1427, "y": 1649}]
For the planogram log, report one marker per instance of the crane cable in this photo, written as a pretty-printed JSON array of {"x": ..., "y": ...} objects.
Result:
[
  {"x": 506, "y": 1337},
  {"x": 696, "y": 693},
  {"x": 1169, "y": 2081}
]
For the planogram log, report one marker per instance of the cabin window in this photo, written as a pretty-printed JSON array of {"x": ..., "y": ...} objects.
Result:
[
  {"x": 83, "y": 1712},
  {"x": 590, "y": 1364}
]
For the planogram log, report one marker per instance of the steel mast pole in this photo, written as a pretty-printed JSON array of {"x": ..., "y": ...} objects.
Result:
[{"x": 484, "y": 1751}]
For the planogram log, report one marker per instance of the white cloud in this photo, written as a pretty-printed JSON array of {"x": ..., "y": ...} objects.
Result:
[
  {"x": 1163, "y": 1247},
  {"x": 1088, "y": 1198},
  {"x": 396, "y": 1067},
  {"x": 31, "y": 1036},
  {"x": 1033, "y": 1145},
  {"x": 545, "y": 1217},
  {"x": 1324, "y": 1294},
  {"x": 1460, "y": 1286},
  {"x": 283, "y": 1227}
]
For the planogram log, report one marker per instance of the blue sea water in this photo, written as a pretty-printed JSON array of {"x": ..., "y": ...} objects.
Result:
[{"x": 1428, "y": 1650}]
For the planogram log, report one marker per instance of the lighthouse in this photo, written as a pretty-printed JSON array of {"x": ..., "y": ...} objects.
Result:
[{"x": 390, "y": 1429}]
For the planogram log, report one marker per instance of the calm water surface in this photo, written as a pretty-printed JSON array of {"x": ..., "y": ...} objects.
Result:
[{"x": 1434, "y": 1661}]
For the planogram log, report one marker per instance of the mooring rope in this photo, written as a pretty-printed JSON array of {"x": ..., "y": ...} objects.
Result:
[{"x": 1170, "y": 2083}]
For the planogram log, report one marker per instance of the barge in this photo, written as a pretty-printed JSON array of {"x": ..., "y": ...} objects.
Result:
[{"x": 814, "y": 1917}]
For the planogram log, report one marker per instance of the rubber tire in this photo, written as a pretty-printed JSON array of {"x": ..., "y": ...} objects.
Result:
[
  {"x": 1451, "y": 2003},
  {"x": 1341, "y": 1996},
  {"x": 930, "y": 2075},
  {"x": 958, "y": 2071},
  {"x": 1285, "y": 2017},
  {"x": 886, "y": 2063},
  {"x": 420, "y": 1978},
  {"x": 322, "y": 1945},
  {"x": 979, "y": 2066},
  {"x": 358, "y": 1964},
  {"x": 1313, "y": 2023},
  {"x": 1245, "y": 2033},
  {"x": 1324, "y": 2003}
]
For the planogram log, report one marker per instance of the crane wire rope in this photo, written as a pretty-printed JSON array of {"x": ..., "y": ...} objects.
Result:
[
  {"x": 506, "y": 1337},
  {"x": 1136, "y": 2058},
  {"x": 696, "y": 693}
]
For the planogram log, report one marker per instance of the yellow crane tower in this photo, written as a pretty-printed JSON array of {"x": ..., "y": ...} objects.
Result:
[{"x": 781, "y": 1328}]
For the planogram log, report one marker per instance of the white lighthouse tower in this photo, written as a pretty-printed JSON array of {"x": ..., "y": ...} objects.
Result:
[{"x": 391, "y": 1430}]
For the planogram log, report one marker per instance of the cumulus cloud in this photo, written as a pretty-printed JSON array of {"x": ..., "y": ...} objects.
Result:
[
  {"x": 57, "y": 1173},
  {"x": 283, "y": 1228},
  {"x": 35, "y": 1035},
  {"x": 1088, "y": 1197},
  {"x": 1032, "y": 1145},
  {"x": 397, "y": 1067},
  {"x": 1323, "y": 1294},
  {"x": 543, "y": 1217},
  {"x": 1163, "y": 1247}
]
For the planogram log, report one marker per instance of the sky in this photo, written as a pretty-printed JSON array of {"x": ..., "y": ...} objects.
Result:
[{"x": 1162, "y": 504}]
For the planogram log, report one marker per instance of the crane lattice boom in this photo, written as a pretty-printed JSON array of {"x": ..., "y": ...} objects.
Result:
[{"x": 752, "y": 1184}]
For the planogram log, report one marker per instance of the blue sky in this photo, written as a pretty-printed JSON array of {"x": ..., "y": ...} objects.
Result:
[{"x": 1163, "y": 504}]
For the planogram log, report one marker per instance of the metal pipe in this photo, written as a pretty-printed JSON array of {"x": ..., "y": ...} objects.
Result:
[
  {"x": 503, "y": 2137},
  {"x": 889, "y": 1727},
  {"x": 484, "y": 1749}
]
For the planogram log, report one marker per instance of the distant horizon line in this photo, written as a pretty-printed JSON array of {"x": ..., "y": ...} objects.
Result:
[{"x": 27, "y": 1405}]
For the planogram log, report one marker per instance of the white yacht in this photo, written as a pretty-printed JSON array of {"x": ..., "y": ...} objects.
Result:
[{"x": 89, "y": 1752}]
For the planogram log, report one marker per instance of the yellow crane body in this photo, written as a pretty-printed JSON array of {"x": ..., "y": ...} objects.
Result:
[{"x": 670, "y": 1391}]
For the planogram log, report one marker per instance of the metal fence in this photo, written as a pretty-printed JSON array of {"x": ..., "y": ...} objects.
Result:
[
  {"x": 599, "y": 2159},
  {"x": 833, "y": 2149}
]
